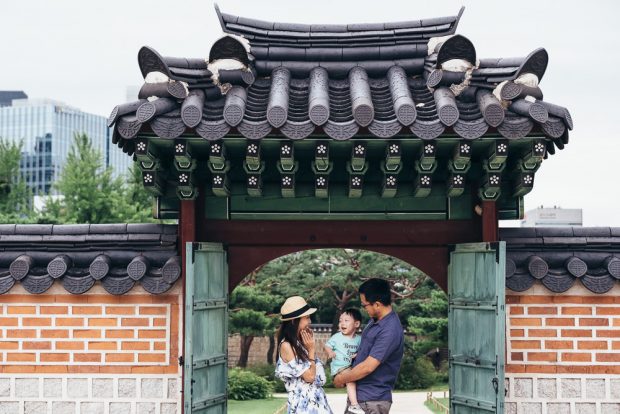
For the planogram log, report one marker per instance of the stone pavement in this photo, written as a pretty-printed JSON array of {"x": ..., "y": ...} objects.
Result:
[{"x": 403, "y": 402}]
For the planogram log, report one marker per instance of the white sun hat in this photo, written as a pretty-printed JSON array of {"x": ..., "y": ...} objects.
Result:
[{"x": 295, "y": 307}]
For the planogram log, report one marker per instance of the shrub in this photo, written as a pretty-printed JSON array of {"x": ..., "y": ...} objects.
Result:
[
  {"x": 425, "y": 371},
  {"x": 416, "y": 373},
  {"x": 442, "y": 374},
  {"x": 246, "y": 385},
  {"x": 269, "y": 373},
  {"x": 263, "y": 370}
]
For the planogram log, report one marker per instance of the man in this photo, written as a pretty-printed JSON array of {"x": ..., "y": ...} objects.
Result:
[{"x": 377, "y": 363}]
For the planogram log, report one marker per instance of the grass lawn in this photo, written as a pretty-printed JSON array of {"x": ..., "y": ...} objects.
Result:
[
  {"x": 444, "y": 401},
  {"x": 268, "y": 406},
  {"x": 436, "y": 388},
  {"x": 335, "y": 390}
]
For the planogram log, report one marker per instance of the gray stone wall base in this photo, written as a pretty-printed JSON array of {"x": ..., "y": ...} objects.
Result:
[
  {"x": 562, "y": 394},
  {"x": 89, "y": 394}
]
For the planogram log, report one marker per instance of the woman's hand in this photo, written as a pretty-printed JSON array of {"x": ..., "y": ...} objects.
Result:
[{"x": 307, "y": 339}]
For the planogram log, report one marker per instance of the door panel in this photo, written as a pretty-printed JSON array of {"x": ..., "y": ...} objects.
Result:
[
  {"x": 206, "y": 329},
  {"x": 476, "y": 326}
]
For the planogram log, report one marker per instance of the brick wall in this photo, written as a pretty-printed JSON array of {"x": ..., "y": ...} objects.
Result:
[
  {"x": 562, "y": 351},
  {"x": 108, "y": 354},
  {"x": 96, "y": 352},
  {"x": 260, "y": 347}
]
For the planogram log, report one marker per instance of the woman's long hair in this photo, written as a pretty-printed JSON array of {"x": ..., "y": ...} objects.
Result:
[{"x": 288, "y": 333}]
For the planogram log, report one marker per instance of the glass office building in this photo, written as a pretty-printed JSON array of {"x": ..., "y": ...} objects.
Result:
[{"x": 46, "y": 129}]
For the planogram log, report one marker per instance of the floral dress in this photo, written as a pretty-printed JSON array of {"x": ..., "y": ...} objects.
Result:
[{"x": 303, "y": 397}]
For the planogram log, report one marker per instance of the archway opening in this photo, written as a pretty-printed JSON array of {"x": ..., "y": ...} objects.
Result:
[{"x": 329, "y": 280}]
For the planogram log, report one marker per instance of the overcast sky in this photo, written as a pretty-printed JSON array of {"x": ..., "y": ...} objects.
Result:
[{"x": 85, "y": 54}]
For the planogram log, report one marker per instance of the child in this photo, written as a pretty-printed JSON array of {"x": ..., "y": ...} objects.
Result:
[{"x": 342, "y": 347}]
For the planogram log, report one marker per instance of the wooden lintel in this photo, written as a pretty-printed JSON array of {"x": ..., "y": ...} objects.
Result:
[{"x": 336, "y": 233}]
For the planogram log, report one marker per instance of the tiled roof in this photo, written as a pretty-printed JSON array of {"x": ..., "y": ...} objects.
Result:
[
  {"x": 116, "y": 255},
  {"x": 559, "y": 256},
  {"x": 387, "y": 79},
  {"x": 121, "y": 255},
  {"x": 262, "y": 33}
]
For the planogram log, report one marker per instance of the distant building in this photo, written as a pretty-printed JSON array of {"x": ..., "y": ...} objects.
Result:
[
  {"x": 553, "y": 217},
  {"x": 46, "y": 129},
  {"x": 7, "y": 97}
]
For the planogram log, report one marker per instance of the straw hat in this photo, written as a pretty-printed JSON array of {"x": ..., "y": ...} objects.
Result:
[{"x": 295, "y": 307}]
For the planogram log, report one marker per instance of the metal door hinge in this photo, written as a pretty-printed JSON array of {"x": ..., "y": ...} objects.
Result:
[{"x": 181, "y": 361}]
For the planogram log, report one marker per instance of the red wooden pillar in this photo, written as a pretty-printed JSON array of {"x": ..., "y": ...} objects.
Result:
[
  {"x": 490, "y": 225},
  {"x": 187, "y": 225},
  {"x": 187, "y": 233}
]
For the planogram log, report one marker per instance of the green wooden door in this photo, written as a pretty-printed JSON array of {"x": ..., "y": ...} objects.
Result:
[
  {"x": 476, "y": 326},
  {"x": 206, "y": 329}
]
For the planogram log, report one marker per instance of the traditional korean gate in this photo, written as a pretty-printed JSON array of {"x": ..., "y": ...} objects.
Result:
[
  {"x": 206, "y": 328},
  {"x": 476, "y": 322},
  {"x": 309, "y": 145}
]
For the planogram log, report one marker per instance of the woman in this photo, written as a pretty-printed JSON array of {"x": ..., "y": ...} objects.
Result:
[{"x": 303, "y": 374}]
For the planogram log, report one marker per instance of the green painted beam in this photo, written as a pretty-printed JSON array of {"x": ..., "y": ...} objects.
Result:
[
  {"x": 153, "y": 182},
  {"x": 358, "y": 156},
  {"x": 423, "y": 185},
  {"x": 456, "y": 184},
  {"x": 461, "y": 157},
  {"x": 412, "y": 180},
  {"x": 146, "y": 155},
  {"x": 393, "y": 156},
  {"x": 217, "y": 156},
  {"x": 339, "y": 216},
  {"x": 183, "y": 160},
  {"x": 287, "y": 156},
  {"x": 497, "y": 154},
  {"x": 253, "y": 156}
]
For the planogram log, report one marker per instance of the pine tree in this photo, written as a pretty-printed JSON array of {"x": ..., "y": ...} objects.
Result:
[
  {"x": 15, "y": 196},
  {"x": 139, "y": 201},
  {"x": 90, "y": 193}
]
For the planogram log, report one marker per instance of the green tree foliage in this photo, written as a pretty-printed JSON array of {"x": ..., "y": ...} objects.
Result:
[
  {"x": 329, "y": 278},
  {"x": 139, "y": 201},
  {"x": 91, "y": 194},
  {"x": 249, "y": 309},
  {"x": 427, "y": 320},
  {"x": 15, "y": 196},
  {"x": 431, "y": 322}
]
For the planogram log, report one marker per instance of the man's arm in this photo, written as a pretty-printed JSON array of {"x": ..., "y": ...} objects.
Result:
[
  {"x": 382, "y": 347},
  {"x": 366, "y": 367}
]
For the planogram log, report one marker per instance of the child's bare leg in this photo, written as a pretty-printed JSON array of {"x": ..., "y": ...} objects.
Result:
[{"x": 352, "y": 393}]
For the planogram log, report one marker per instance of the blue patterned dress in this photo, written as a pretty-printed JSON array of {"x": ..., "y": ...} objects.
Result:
[{"x": 303, "y": 397}]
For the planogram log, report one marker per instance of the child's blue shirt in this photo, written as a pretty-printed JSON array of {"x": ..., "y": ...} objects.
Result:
[{"x": 345, "y": 348}]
